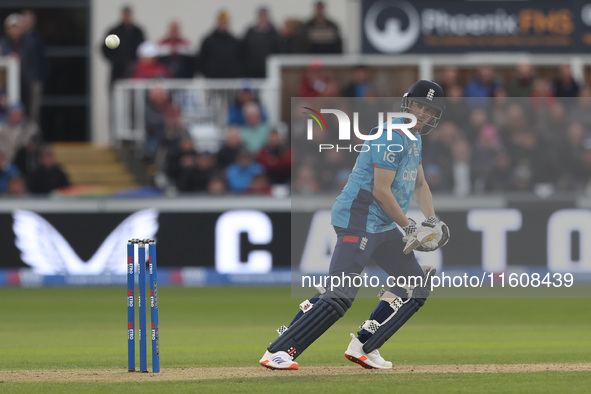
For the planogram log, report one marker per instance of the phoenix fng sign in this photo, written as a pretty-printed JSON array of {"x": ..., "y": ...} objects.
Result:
[{"x": 399, "y": 26}]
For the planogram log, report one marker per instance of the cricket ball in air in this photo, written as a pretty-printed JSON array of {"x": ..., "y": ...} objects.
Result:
[{"x": 112, "y": 41}]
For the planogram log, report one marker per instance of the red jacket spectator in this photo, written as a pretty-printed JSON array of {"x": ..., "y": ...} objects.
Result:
[
  {"x": 147, "y": 66},
  {"x": 317, "y": 83},
  {"x": 174, "y": 51},
  {"x": 542, "y": 95},
  {"x": 173, "y": 43},
  {"x": 276, "y": 158}
]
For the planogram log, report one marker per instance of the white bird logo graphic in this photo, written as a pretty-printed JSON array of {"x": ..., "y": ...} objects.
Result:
[{"x": 45, "y": 249}]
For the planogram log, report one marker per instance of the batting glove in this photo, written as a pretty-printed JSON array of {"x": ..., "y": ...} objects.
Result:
[
  {"x": 409, "y": 230},
  {"x": 441, "y": 238}
]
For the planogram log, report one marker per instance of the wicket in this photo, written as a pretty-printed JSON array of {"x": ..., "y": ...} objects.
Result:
[{"x": 137, "y": 247}]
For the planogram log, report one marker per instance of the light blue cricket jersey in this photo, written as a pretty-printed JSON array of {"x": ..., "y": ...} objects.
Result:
[{"x": 355, "y": 208}]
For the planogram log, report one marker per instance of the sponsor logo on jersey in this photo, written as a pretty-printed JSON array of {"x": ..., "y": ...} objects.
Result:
[{"x": 409, "y": 175}]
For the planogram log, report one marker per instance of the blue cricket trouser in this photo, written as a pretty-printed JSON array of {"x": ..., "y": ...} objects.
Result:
[{"x": 353, "y": 251}]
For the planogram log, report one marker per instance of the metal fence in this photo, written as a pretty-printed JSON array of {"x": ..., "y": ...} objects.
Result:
[
  {"x": 12, "y": 82},
  {"x": 203, "y": 105}
]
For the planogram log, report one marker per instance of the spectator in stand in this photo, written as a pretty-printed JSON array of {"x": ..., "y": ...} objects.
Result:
[
  {"x": 292, "y": 37},
  {"x": 581, "y": 111},
  {"x": 456, "y": 106},
  {"x": 34, "y": 65},
  {"x": 478, "y": 119},
  {"x": 17, "y": 44},
  {"x": 361, "y": 85},
  {"x": 256, "y": 132},
  {"x": 27, "y": 157},
  {"x": 522, "y": 84},
  {"x": 157, "y": 104},
  {"x": 11, "y": 44},
  {"x": 571, "y": 152},
  {"x": 523, "y": 178},
  {"x": 305, "y": 182},
  {"x": 532, "y": 165},
  {"x": 461, "y": 168},
  {"x": 500, "y": 179},
  {"x": 440, "y": 152},
  {"x": 556, "y": 121},
  {"x": 240, "y": 173},
  {"x": 49, "y": 176},
  {"x": 182, "y": 154},
  {"x": 497, "y": 111},
  {"x": 541, "y": 102},
  {"x": 219, "y": 55},
  {"x": 148, "y": 66},
  {"x": 7, "y": 170},
  {"x": 17, "y": 186},
  {"x": 236, "y": 109},
  {"x": 275, "y": 156},
  {"x": 329, "y": 168},
  {"x": 259, "y": 186},
  {"x": 196, "y": 172},
  {"x": 3, "y": 105},
  {"x": 583, "y": 172},
  {"x": 260, "y": 41},
  {"x": 516, "y": 122},
  {"x": 482, "y": 86},
  {"x": 317, "y": 82},
  {"x": 433, "y": 175},
  {"x": 450, "y": 78},
  {"x": 321, "y": 34},
  {"x": 487, "y": 147},
  {"x": 541, "y": 97},
  {"x": 217, "y": 185},
  {"x": 565, "y": 85},
  {"x": 16, "y": 131},
  {"x": 232, "y": 145},
  {"x": 174, "y": 131},
  {"x": 123, "y": 58},
  {"x": 175, "y": 52}
]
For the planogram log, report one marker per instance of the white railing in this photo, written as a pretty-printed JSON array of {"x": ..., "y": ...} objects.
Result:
[
  {"x": 427, "y": 63},
  {"x": 203, "y": 103},
  {"x": 13, "y": 82}
]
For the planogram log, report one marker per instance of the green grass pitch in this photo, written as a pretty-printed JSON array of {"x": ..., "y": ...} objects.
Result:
[{"x": 84, "y": 329}]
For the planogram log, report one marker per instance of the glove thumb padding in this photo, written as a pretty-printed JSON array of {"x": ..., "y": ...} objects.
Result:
[{"x": 440, "y": 240}]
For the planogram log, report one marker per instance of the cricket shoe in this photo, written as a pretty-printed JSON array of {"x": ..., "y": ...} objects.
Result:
[
  {"x": 372, "y": 360},
  {"x": 279, "y": 360}
]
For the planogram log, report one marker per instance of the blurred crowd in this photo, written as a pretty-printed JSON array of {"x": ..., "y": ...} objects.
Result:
[
  {"x": 255, "y": 155},
  {"x": 27, "y": 166},
  {"x": 526, "y": 132},
  {"x": 487, "y": 141},
  {"x": 530, "y": 134},
  {"x": 526, "y": 129},
  {"x": 220, "y": 54}
]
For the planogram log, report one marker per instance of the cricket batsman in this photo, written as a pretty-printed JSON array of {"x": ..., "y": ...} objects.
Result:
[{"x": 365, "y": 217}]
